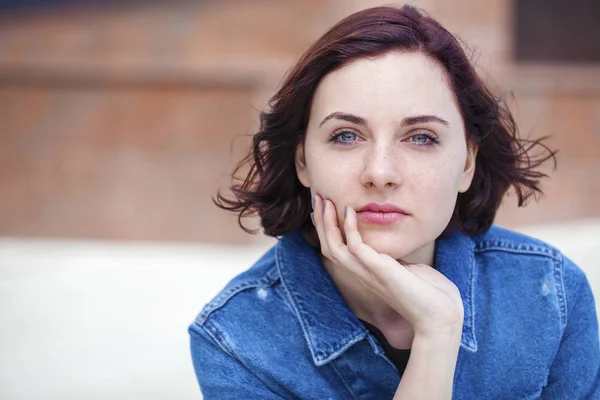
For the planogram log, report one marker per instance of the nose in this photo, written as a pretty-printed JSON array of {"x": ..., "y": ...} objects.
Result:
[{"x": 381, "y": 167}]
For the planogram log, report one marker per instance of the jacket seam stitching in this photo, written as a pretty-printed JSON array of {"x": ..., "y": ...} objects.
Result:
[
  {"x": 219, "y": 338},
  {"x": 541, "y": 251},
  {"x": 296, "y": 306},
  {"x": 344, "y": 381},
  {"x": 472, "y": 300},
  {"x": 560, "y": 294}
]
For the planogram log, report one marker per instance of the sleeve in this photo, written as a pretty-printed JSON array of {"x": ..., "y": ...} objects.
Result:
[
  {"x": 574, "y": 374},
  {"x": 222, "y": 376}
]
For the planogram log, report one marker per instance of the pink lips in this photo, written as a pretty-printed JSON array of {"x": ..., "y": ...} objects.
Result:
[{"x": 381, "y": 213}]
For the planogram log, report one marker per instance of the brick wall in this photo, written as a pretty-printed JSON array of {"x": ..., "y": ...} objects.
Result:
[{"x": 117, "y": 122}]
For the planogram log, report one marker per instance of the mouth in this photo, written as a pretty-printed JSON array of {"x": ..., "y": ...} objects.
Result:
[{"x": 381, "y": 213}]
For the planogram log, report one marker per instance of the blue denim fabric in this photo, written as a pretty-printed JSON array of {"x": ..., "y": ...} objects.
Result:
[{"x": 281, "y": 330}]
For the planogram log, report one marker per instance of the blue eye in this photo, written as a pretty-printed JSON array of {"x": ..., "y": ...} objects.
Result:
[
  {"x": 344, "y": 137},
  {"x": 424, "y": 139},
  {"x": 420, "y": 138}
]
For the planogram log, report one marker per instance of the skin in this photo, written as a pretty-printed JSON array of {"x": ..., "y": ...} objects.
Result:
[{"x": 363, "y": 145}]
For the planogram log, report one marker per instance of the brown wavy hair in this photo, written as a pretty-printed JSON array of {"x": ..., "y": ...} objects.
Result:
[{"x": 265, "y": 182}]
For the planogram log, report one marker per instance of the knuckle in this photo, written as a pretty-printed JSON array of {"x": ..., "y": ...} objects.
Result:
[
  {"x": 337, "y": 254},
  {"x": 360, "y": 249},
  {"x": 325, "y": 251},
  {"x": 355, "y": 245},
  {"x": 352, "y": 246},
  {"x": 331, "y": 230}
]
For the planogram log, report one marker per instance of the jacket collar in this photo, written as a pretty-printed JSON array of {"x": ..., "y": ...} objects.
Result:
[
  {"x": 329, "y": 326},
  {"x": 455, "y": 259}
]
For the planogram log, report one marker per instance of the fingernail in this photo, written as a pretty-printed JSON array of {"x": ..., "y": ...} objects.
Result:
[
  {"x": 345, "y": 211},
  {"x": 312, "y": 200},
  {"x": 312, "y": 218}
]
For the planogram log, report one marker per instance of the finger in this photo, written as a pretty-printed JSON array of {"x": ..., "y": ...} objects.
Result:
[
  {"x": 331, "y": 237},
  {"x": 318, "y": 222},
  {"x": 333, "y": 234},
  {"x": 335, "y": 240},
  {"x": 338, "y": 250},
  {"x": 332, "y": 231},
  {"x": 381, "y": 265}
]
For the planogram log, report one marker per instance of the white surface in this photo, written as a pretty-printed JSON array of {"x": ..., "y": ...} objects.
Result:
[
  {"x": 105, "y": 320},
  {"x": 101, "y": 320}
]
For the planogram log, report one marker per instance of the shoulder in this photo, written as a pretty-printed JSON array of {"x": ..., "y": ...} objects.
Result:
[
  {"x": 522, "y": 251},
  {"x": 250, "y": 308},
  {"x": 251, "y": 313},
  {"x": 503, "y": 253},
  {"x": 263, "y": 273}
]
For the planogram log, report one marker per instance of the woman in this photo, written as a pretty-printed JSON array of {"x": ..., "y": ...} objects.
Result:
[{"x": 380, "y": 164}]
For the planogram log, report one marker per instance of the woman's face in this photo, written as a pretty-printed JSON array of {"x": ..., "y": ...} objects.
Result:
[{"x": 386, "y": 132}]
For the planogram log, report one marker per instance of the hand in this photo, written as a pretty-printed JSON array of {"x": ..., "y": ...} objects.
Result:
[{"x": 425, "y": 298}]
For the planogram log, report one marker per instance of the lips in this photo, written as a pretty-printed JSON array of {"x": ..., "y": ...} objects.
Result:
[{"x": 381, "y": 213}]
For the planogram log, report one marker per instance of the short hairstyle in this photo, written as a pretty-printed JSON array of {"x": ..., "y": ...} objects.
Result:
[{"x": 265, "y": 182}]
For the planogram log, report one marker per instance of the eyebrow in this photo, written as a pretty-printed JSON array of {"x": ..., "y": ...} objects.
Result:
[
  {"x": 355, "y": 119},
  {"x": 420, "y": 119},
  {"x": 344, "y": 117}
]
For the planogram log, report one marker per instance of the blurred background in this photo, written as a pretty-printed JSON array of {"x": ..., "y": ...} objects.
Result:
[{"x": 120, "y": 119}]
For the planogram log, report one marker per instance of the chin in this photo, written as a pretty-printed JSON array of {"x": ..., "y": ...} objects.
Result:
[
  {"x": 399, "y": 245},
  {"x": 392, "y": 244}
]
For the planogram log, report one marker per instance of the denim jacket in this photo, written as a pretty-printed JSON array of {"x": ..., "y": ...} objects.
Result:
[{"x": 281, "y": 330}]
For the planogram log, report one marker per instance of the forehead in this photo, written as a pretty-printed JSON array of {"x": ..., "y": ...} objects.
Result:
[{"x": 393, "y": 85}]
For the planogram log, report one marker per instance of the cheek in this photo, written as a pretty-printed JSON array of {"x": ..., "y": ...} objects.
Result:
[
  {"x": 437, "y": 184},
  {"x": 448, "y": 168},
  {"x": 330, "y": 175}
]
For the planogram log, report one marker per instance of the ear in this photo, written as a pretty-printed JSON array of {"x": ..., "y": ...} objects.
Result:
[
  {"x": 469, "y": 169},
  {"x": 300, "y": 162}
]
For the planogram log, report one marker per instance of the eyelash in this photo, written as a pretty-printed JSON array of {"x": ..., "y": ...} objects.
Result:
[{"x": 433, "y": 139}]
